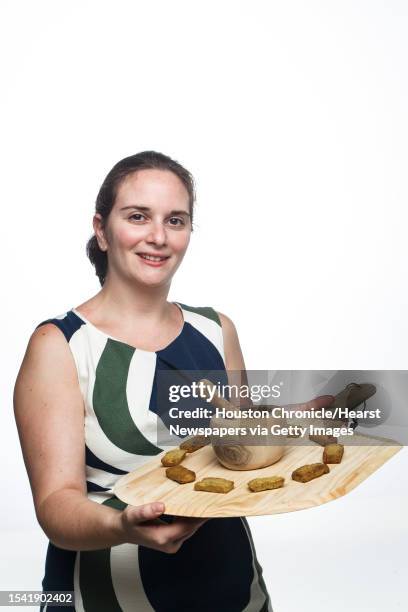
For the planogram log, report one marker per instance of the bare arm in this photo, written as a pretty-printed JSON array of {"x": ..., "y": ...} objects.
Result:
[
  {"x": 234, "y": 360},
  {"x": 49, "y": 413}
]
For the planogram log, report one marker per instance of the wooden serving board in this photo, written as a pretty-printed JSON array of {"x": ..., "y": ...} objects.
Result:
[{"x": 149, "y": 483}]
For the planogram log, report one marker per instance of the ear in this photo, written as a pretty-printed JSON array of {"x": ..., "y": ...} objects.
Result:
[{"x": 99, "y": 231}]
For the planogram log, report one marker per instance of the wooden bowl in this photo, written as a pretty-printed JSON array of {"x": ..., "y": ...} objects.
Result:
[{"x": 247, "y": 452}]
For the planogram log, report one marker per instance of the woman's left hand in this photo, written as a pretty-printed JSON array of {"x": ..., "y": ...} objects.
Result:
[{"x": 323, "y": 401}]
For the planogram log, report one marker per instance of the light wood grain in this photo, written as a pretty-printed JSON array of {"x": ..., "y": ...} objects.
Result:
[{"x": 149, "y": 483}]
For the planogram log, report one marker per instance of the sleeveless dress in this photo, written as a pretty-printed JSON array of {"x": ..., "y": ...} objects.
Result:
[{"x": 216, "y": 569}]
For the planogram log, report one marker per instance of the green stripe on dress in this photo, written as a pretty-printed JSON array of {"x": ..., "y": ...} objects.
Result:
[
  {"x": 110, "y": 400},
  {"x": 95, "y": 577},
  {"x": 205, "y": 311}
]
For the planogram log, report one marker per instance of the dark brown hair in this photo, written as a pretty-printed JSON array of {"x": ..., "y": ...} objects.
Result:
[{"x": 107, "y": 194}]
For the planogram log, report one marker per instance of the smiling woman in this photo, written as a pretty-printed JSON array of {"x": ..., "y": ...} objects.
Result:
[
  {"x": 154, "y": 233},
  {"x": 157, "y": 206},
  {"x": 87, "y": 413}
]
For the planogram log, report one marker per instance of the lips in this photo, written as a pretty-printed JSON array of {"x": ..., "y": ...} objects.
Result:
[
  {"x": 152, "y": 257},
  {"x": 153, "y": 260}
]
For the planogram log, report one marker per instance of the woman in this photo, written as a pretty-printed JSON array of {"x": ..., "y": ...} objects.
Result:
[{"x": 86, "y": 414}]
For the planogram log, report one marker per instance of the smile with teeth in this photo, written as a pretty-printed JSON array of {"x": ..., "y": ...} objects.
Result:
[{"x": 152, "y": 257}]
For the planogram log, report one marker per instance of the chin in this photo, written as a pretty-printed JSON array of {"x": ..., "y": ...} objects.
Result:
[{"x": 152, "y": 282}]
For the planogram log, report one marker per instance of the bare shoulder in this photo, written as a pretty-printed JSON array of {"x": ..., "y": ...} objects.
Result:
[
  {"x": 47, "y": 353},
  {"x": 226, "y": 322},
  {"x": 48, "y": 340},
  {"x": 233, "y": 354},
  {"x": 47, "y": 335}
]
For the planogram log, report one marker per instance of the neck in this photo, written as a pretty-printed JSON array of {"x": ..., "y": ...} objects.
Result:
[{"x": 123, "y": 300}]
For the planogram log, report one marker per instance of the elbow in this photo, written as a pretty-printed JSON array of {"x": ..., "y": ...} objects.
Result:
[
  {"x": 55, "y": 535},
  {"x": 46, "y": 526},
  {"x": 54, "y": 521}
]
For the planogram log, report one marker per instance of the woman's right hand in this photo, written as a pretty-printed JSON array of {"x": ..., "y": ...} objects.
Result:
[{"x": 142, "y": 525}]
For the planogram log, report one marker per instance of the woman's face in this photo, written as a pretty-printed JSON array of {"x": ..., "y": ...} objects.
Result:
[{"x": 148, "y": 229}]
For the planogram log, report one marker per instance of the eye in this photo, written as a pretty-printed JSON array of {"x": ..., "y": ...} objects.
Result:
[
  {"x": 137, "y": 217},
  {"x": 176, "y": 221}
]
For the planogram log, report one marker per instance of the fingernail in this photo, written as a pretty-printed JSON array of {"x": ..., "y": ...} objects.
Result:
[{"x": 158, "y": 507}]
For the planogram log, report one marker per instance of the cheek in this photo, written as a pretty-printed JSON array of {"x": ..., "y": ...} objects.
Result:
[
  {"x": 128, "y": 236},
  {"x": 180, "y": 242}
]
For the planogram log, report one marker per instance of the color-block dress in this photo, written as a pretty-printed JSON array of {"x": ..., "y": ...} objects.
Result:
[{"x": 216, "y": 570}]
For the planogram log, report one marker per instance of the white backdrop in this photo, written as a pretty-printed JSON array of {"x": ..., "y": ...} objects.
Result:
[{"x": 292, "y": 116}]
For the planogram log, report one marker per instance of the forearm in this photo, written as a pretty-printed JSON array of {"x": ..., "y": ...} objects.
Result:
[{"x": 74, "y": 522}]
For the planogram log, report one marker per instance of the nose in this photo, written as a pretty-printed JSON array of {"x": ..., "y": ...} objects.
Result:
[{"x": 157, "y": 234}]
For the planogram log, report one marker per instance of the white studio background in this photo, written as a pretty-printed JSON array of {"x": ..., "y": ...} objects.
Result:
[{"x": 292, "y": 116}]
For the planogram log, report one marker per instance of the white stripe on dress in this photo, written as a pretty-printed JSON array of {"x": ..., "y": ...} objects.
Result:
[
  {"x": 79, "y": 604},
  {"x": 126, "y": 580},
  {"x": 139, "y": 390},
  {"x": 101, "y": 478}
]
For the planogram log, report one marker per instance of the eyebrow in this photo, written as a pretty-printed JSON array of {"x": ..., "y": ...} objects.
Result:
[{"x": 148, "y": 209}]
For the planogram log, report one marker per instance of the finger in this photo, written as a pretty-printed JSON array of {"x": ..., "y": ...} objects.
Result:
[
  {"x": 147, "y": 512},
  {"x": 153, "y": 523},
  {"x": 179, "y": 543},
  {"x": 191, "y": 520},
  {"x": 323, "y": 401},
  {"x": 187, "y": 536},
  {"x": 180, "y": 528},
  {"x": 188, "y": 525},
  {"x": 177, "y": 531}
]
